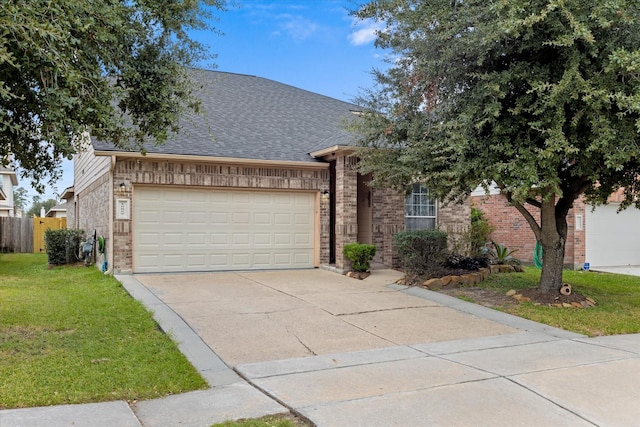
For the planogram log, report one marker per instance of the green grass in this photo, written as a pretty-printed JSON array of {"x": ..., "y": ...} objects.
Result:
[
  {"x": 73, "y": 335},
  {"x": 617, "y": 295},
  {"x": 268, "y": 421}
]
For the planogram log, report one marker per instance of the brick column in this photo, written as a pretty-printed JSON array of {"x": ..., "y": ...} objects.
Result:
[{"x": 346, "y": 207}]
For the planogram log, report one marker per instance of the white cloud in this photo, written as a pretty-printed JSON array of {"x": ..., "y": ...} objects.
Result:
[
  {"x": 297, "y": 27},
  {"x": 365, "y": 32}
]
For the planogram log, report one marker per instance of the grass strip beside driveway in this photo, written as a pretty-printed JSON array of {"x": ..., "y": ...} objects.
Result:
[
  {"x": 617, "y": 295},
  {"x": 73, "y": 335}
]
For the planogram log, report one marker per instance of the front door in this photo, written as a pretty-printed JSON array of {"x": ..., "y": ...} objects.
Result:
[{"x": 365, "y": 211}]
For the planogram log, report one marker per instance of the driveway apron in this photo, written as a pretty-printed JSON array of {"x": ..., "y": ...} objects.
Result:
[{"x": 251, "y": 317}]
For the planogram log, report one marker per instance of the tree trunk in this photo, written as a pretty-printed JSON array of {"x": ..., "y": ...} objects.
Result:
[{"x": 553, "y": 236}]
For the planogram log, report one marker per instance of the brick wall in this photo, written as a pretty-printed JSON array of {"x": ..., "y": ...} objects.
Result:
[
  {"x": 346, "y": 207},
  {"x": 93, "y": 208},
  {"x": 202, "y": 175},
  {"x": 455, "y": 220},
  {"x": 513, "y": 231},
  {"x": 388, "y": 219}
]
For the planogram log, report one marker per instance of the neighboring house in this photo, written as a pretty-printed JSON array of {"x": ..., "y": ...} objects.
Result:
[
  {"x": 8, "y": 180},
  {"x": 265, "y": 178},
  {"x": 601, "y": 237},
  {"x": 58, "y": 211}
]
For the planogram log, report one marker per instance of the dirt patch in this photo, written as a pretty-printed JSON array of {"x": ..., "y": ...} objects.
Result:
[
  {"x": 486, "y": 297},
  {"x": 497, "y": 298}
]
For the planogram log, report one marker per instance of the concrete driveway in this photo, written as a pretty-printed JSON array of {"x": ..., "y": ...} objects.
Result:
[
  {"x": 343, "y": 352},
  {"x": 251, "y": 317}
]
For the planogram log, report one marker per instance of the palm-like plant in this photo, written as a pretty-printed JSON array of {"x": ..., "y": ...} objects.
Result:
[{"x": 500, "y": 254}]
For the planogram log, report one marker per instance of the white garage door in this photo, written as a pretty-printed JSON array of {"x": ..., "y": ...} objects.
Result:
[
  {"x": 612, "y": 238},
  {"x": 215, "y": 230}
]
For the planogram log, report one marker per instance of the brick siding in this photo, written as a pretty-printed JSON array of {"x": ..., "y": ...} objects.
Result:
[
  {"x": 93, "y": 208},
  {"x": 513, "y": 231},
  {"x": 346, "y": 207}
]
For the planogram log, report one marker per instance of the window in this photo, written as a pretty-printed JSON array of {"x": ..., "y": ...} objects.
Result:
[{"x": 420, "y": 209}]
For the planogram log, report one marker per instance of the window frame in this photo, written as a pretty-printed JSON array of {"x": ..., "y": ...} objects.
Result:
[{"x": 432, "y": 204}]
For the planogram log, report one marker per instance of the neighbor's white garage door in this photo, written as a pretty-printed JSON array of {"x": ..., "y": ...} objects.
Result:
[
  {"x": 612, "y": 238},
  {"x": 215, "y": 230}
]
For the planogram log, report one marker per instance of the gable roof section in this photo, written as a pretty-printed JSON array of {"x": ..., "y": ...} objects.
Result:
[
  {"x": 62, "y": 207},
  {"x": 248, "y": 117},
  {"x": 11, "y": 173}
]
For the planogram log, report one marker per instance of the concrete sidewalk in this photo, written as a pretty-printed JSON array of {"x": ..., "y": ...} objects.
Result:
[{"x": 388, "y": 371}]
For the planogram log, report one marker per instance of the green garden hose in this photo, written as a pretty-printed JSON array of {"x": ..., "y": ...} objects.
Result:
[{"x": 537, "y": 255}]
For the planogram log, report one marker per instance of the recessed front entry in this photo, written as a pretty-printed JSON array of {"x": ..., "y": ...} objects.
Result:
[{"x": 184, "y": 229}]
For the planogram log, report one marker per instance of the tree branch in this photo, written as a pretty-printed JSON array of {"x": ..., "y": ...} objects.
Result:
[
  {"x": 534, "y": 202},
  {"x": 535, "y": 227}
]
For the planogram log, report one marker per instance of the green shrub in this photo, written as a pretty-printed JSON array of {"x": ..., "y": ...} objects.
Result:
[
  {"x": 63, "y": 245},
  {"x": 360, "y": 255},
  {"x": 421, "y": 253},
  {"x": 479, "y": 232}
]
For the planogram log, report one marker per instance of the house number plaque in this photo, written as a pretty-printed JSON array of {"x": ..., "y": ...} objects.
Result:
[{"x": 123, "y": 209}]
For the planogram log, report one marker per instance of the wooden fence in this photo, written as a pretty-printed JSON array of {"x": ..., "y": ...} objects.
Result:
[
  {"x": 16, "y": 234},
  {"x": 40, "y": 225},
  {"x": 26, "y": 235}
]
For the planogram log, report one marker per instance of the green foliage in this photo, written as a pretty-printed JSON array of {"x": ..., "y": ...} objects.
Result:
[
  {"x": 113, "y": 69},
  {"x": 541, "y": 97},
  {"x": 479, "y": 232},
  {"x": 617, "y": 295},
  {"x": 19, "y": 198},
  {"x": 74, "y": 335},
  {"x": 500, "y": 254},
  {"x": 268, "y": 421},
  {"x": 360, "y": 255},
  {"x": 38, "y": 204},
  {"x": 62, "y": 245},
  {"x": 421, "y": 252}
]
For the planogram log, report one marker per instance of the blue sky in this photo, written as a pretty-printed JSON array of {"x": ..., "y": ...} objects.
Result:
[{"x": 311, "y": 44}]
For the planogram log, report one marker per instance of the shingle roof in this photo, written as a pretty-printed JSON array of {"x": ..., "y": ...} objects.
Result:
[{"x": 251, "y": 117}]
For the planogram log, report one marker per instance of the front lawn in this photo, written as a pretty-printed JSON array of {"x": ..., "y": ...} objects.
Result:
[
  {"x": 617, "y": 295},
  {"x": 73, "y": 335}
]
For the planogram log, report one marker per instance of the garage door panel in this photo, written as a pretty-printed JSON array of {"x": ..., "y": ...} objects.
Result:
[
  {"x": 196, "y": 239},
  {"x": 261, "y": 239},
  {"x": 219, "y": 239},
  {"x": 172, "y": 239},
  {"x": 195, "y": 218},
  {"x": 262, "y": 218},
  {"x": 612, "y": 238},
  {"x": 219, "y": 218},
  {"x": 241, "y": 218},
  {"x": 302, "y": 258},
  {"x": 219, "y": 261},
  {"x": 203, "y": 230},
  {"x": 170, "y": 217}
]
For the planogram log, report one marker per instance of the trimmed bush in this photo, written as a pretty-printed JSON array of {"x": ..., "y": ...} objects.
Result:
[
  {"x": 63, "y": 245},
  {"x": 479, "y": 232},
  {"x": 360, "y": 255},
  {"x": 421, "y": 253}
]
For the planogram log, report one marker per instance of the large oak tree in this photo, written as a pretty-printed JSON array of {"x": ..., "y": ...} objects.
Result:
[
  {"x": 113, "y": 68},
  {"x": 540, "y": 96}
]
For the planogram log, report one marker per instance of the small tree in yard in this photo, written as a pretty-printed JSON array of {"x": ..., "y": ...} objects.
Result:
[
  {"x": 540, "y": 96},
  {"x": 114, "y": 69}
]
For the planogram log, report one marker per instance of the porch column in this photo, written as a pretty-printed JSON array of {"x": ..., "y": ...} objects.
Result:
[{"x": 346, "y": 207}]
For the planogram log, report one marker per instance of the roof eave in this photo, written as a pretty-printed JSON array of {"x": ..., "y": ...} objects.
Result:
[
  {"x": 68, "y": 193},
  {"x": 332, "y": 151},
  {"x": 212, "y": 159}
]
